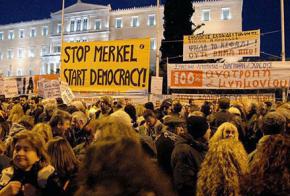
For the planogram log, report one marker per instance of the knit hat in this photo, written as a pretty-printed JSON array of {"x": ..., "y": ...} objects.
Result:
[
  {"x": 234, "y": 110},
  {"x": 197, "y": 126}
]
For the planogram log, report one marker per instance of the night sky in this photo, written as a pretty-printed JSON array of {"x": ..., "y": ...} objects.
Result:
[{"x": 257, "y": 14}]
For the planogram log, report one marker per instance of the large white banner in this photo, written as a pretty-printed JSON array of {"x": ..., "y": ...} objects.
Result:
[
  {"x": 241, "y": 75},
  {"x": 221, "y": 45}
]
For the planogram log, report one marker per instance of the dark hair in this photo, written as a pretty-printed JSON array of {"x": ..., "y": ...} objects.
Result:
[
  {"x": 197, "y": 126},
  {"x": 62, "y": 156},
  {"x": 120, "y": 167},
  {"x": 35, "y": 99},
  {"x": 131, "y": 111},
  {"x": 149, "y": 113},
  {"x": 58, "y": 118},
  {"x": 149, "y": 106},
  {"x": 177, "y": 107},
  {"x": 273, "y": 123},
  {"x": 224, "y": 103}
]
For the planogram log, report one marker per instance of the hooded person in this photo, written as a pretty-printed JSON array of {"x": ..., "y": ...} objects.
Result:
[{"x": 188, "y": 154}]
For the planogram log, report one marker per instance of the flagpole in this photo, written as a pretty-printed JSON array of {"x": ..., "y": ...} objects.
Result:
[
  {"x": 282, "y": 31},
  {"x": 157, "y": 37}
]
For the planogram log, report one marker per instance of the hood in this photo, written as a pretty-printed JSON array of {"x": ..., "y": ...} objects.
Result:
[{"x": 199, "y": 145}]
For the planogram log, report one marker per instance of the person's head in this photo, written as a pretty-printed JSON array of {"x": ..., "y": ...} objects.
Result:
[
  {"x": 119, "y": 166},
  {"x": 115, "y": 127},
  {"x": 44, "y": 130},
  {"x": 176, "y": 108},
  {"x": 27, "y": 121},
  {"x": 79, "y": 120},
  {"x": 60, "y": 122},
  {"x": 23, "y": 99},
  {"x": 198, "y": 127},
  {"x": 49, "y": 108},
  {"x": 28, "y": 148},
  {"x": 62, "y": 156},
  {"x": 131, "y": 111},
  {"x": 149, "y": 106},
  {"x": 175, "y": 124},
  {"x": 79, "y": 105},
  {"x": 223, "y": 169},
  {"x": 106, "y": 103},
  {"x": 150, "y": 118},
  {"x": 273, "y": 123},
  {"x": 269, "y": 170},
  {"x": 225, "y": 131},
  {"x": 140, "y": 109},
  {"x": 224, "y": 103},
  {"x": 235, "y": 111},
  {"x": 206, "y": 108},
  {"x": 166, "y": 106},
  {"x": 15, "y": 113},
  {"x": 33, "y": 101}
]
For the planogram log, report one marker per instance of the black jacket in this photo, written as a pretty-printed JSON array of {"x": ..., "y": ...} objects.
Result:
[{"x": 186, "y": 159}]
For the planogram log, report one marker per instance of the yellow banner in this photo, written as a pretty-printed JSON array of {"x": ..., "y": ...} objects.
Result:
[{"x": 108, "y": 66}]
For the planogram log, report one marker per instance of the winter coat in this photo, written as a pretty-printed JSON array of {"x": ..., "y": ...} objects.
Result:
[
  {"x": 37, "y": 176},
  {"x": 186, "y": 159}
]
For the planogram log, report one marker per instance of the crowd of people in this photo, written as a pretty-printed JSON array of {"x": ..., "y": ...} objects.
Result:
[{"x": 114, "y": 148}]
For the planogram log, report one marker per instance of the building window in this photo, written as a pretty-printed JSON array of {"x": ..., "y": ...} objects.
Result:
[
  {"x": 135, "y": 21},
  {"x": 1, "y": 56},
  {"x": 79, "y": 22},
  {"x": 153, "y": 44},
  {"x": 56, "y": 49},
  {"x": 21, "y": 33},
  {"x": 72, "y": 26},
  {"x": 226, "y": 14},
  {"x": 58, "y": 30},
  {"x": 31, "y": 53},
  {"x": 33, "y": 32},
  {"x": 151, "y": 20},
  {"x": 11, "y": 35},
  {"x": 118, "y": 23},
  {"x": 98, "y": 24},
  {"x": 205, "y": 15},
  {"x": 10, "y": 54},
  {"x": 44, "y": 31},
  {"x": 19, "y": 71},
  {"x": 1, "y": 36},
  {"x": 20, "y": 53},
  {"x": 44, "y": 50},
  {"x": 85, "y": 24}
]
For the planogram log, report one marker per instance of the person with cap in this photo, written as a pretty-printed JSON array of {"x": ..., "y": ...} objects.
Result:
[
  {"x": 106, "y": 107},
  {"x": 238, "y": 122},
  {"x": 188, "y": 153},
  {"x": 223, "y": 115}
]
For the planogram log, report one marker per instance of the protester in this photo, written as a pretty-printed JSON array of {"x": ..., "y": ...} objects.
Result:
[
  {"x": 30, "y": 170},
  {"x": 223, "y": 169},
  {"x": 60, "y": 123},
  {"x": 188, "y": 155},
  {"x": 225, "y": 131},
  {"x": 66, "y": 167},
  {"x": 44, "y": 130},
  {"x": 118, "y": 166},
  {"x": 269, "y": 172}
]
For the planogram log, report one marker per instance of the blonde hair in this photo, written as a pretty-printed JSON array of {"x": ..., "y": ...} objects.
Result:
[
  {"x": 44, "y": 130},
  {"x": 15, "y": 113},
  {"x": 223, "y": 169},
  {"x": 140, "y": 109},
  {"x": 113, "y": 128},
  {"x": 219, "y": 134}
]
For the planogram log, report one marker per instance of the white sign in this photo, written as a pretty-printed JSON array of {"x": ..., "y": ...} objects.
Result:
[
  {"x": 10, "y": 88},
  {"x": 221, "y": 45},
  {"x": 66, "y": 93},
  {"x": 51, "y": 89},
  {"x": 240, "y": 75},
  {"x": 156, "y": 85}
]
